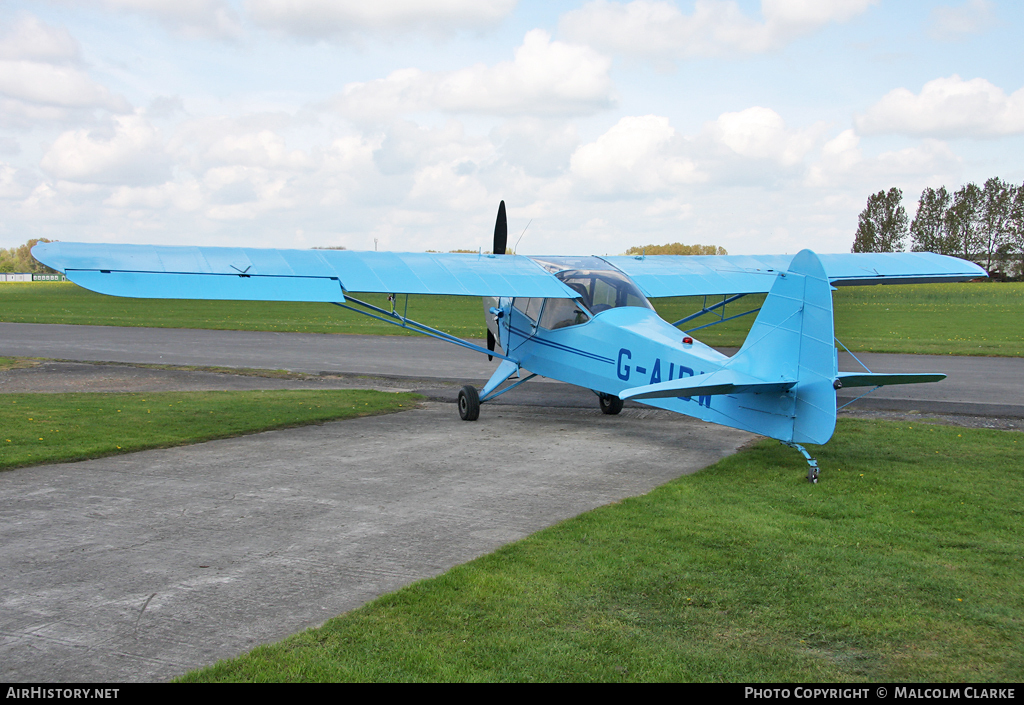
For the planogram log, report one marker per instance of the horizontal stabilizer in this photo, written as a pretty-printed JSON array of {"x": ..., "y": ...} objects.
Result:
[
  {"x": 720, "y": 382},
  {"x": 872, "y": 379}
]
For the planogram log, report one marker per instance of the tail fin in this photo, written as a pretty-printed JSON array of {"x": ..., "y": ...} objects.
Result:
[{"x": 792, "y": 338}]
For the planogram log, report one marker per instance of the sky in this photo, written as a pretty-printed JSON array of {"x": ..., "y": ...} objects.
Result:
[{"x": 760, "y": 127}]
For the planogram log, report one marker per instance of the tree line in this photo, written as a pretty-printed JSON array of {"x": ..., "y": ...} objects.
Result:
[
  {"x": 20, "y": 259},
  {"x": 982, "y": 224},
  {"x": 676, "y": 248}
]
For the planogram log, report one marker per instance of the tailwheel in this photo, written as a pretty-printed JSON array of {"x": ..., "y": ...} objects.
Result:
[
  {"x": 812, "y": 464},
  {"x": 469, "y": 404},
  {"x": 610, "y": 404}
]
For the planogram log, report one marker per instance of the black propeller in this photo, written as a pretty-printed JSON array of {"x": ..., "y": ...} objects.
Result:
[
  {"x": 501, "y": 231},
  {"x": 500, "y": 244}
]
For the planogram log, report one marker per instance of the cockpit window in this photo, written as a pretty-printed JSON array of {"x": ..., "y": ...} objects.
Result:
[
  {"x": 530, "y": 307},
  {"x": 602, "y": 290},
  {"x": 562, "y": 313}
]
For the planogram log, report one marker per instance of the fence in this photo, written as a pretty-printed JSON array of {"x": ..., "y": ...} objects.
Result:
[{"x": 29, "y": 277}]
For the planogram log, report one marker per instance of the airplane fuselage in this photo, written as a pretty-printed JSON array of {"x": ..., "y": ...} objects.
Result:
[{"x": 631, "y": 346}]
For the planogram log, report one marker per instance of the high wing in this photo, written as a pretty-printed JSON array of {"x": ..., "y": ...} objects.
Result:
[
  {"x": 679, "y": 275},
  {"x": 150, "y": 271}
]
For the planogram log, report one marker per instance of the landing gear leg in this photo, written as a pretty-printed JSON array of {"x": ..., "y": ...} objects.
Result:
[{"x": 812, "y": 470}]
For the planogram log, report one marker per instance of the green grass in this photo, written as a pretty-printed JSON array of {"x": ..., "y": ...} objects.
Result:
[
  {"x": 52, "y": 428},
  {"x": 903, "y": 564},
  {"x": 954, "y": 319},
  {"x": 64, "y": 302},
  {"x": 938, "y": 319}
]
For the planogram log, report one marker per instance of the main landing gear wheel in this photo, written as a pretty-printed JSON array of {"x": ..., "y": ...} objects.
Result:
[
  {"x": 610, "y": 405},
  {"x": 469, "y": 404}
]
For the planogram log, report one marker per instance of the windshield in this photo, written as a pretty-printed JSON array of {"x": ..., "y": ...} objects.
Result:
[{"x": 601, "y": 290}]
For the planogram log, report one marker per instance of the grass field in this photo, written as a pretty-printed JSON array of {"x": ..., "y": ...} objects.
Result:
[
  {"x": 903, "y": 564},
  {"x": 956, "y": 319},
  {"x": 64, "y": 302},
  {"x": 52, "y": 428},
  {"x": 937, "y": 319}
]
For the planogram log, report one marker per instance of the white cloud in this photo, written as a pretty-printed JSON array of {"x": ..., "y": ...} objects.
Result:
[
  {"x": 539, "y": 147},
  {"x": 184, "y": 197},
  {"x": 545, "y": 78},
  {"x": 55, "y": 85},
  {"x": 132, "y": 154},
  {"x": 929, "y": 160},
  {"x": 14, "y": 183},
  {"x": 838, "y": 157},
  {"x": 843, "y": 162},
  {"x": 252, "y": 140},
  {"x": 639, "y": 155},
  {"x": 656, "y": 29},
  {"x": 188, "y": 18},
  {"x": 350, "y": 175},
  {"x": 947, "y": 107},
  {"x": 405, "y": 147},
  {"x": 323, "y": 18},
  {"x": 760, "y": 133},
  {"x": 40, "y": 79},
  {"x": 972, "y": 17},
  {"x": 264, "y": 148},
  {"x": 808, "y": 15},
  {"x": 441, "y": 185},
  {"x": 645, "y": 155},
  {"x": 31, "y": 39},
  {"x": 351, "y": 154},
  {"x": 243, "y": 193},
  {"x": 669, "y": 208},
  {"x": 8, "y": 145}
]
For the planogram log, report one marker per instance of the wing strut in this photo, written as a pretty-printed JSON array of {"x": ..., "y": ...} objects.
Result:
[
  {"x": 393, "y": 318},
  {"x": 709, "y": 309}
]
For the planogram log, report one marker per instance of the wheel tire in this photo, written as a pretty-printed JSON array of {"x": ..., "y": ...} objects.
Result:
[
  {"x": 610, "y": 405},
  {"x": 469, "y": 404}
]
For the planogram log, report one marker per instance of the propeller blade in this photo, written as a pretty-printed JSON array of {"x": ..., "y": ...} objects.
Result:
[
  {"x": 500, "y": 232},
  {"x": 490, "y": 344}
]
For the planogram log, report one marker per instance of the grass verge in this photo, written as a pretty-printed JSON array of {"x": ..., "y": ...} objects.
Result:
[
  {"x": 16, "y": 363},
  {"x": 52, "y": 428},
  {"x": 903, "y": 564},
  {"x": 216, "y": 369}
]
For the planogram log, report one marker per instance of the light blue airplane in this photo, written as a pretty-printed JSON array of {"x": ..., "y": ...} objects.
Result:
[{"x": 582, "y": 320}]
